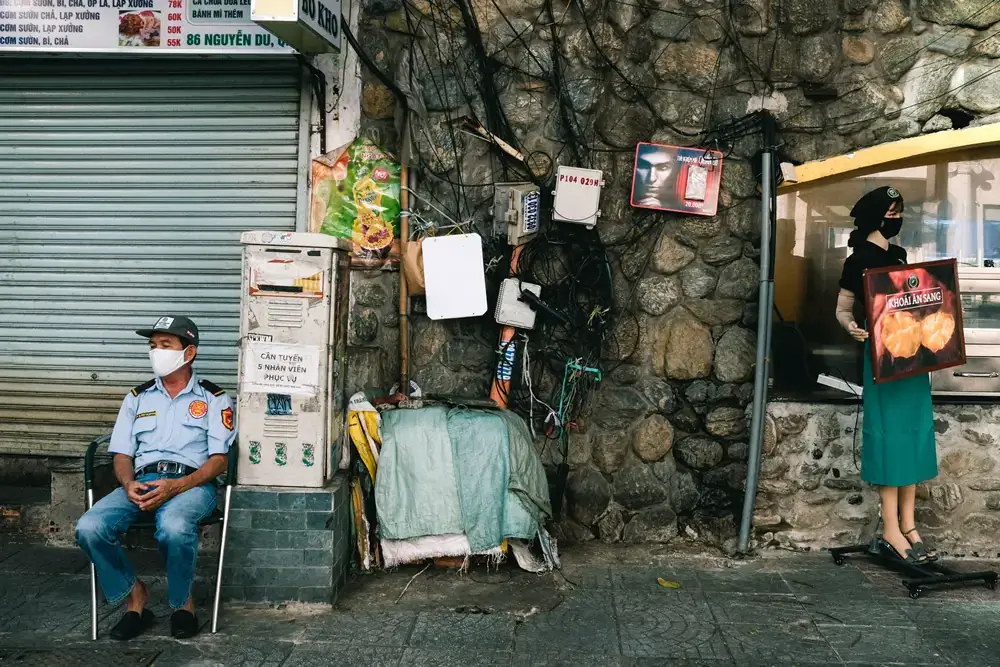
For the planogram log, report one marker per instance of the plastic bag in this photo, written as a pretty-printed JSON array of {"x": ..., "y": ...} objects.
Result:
[
  {"x": 355, "y": 196},
  {"x": 413, "y": 267}
]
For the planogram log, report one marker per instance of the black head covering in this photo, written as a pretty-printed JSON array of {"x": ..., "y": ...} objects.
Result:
[{"x": 869, "y": 211}]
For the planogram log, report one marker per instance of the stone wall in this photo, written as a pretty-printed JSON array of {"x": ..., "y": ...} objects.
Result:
[
  {"x": 811, "y": 494},
  {"x": 662, "y": 450}
]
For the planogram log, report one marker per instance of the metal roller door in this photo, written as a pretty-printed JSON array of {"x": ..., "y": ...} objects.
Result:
[{"x": 124, "y": 187}]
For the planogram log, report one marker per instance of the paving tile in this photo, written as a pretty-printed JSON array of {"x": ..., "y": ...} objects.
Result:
[
  {"x": 79, "y": 656},
  {"x": 674, "y": 662},
  {"x": 330, "y": 655},
  {"x": 542, "y": 658},
  {"x": 862, "y": 611},
  {"x": 10, "y": 548},
  {"x": 40, "y": 559},
  {"x": 262, "y": 622},
  {"x": 589, "y": 578},
  {"x": 740, "y": 581},
  {"x": 674, "y": 625},
  {"x": 644, "y": 578},
  {"x": 36, "y": 605},
  {"x": 972, "y": 647},
  {"x": 390, "y": 629},
  {"x": 583, "y": 623},
  {"x": 487, "y": 632},
  {"x": 693, "y": 603},
  {"x": 777, "y": 644},
  {"x": 961, "y": 615},
  {"x": 882, "y": 645},
  {"x": 467, "y": 656},
  {"x": 756, "y": 609},
  {"x": 243, "y": 652},
  {"x": 830, "y": 580}
]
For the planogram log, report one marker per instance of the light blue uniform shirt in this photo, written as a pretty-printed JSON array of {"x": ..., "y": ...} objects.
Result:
[{"x": 186, "y": 429}]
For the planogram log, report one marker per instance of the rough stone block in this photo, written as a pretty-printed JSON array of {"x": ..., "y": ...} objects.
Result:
[
  {"x": 305, "y": 539},
  {"x": 304, "y": 501},
  {"x": 316, "y": 557},
  {"x": 318, "y": 520},
  {"x": 267, "y": 557},
  {"x": 278, "y": 520},
  {"x": 239, "y": 518},
  {"x": 254, "y": 499}
]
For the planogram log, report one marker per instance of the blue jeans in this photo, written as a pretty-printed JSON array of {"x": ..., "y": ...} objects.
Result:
[{"x": 99, "y": 530}]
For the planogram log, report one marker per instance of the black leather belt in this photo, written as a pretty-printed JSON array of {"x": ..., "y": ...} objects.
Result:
[{"x": 165, "y": 468}]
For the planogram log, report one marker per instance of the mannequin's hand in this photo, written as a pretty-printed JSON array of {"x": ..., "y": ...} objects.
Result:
[{"x": 857, "y": 333}]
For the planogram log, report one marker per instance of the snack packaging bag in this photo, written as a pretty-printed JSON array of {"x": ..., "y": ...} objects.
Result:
[{"x": 355, "y": 196}]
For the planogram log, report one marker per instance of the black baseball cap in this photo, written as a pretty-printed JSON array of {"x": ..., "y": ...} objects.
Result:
[{"x": 178, "y": 325}]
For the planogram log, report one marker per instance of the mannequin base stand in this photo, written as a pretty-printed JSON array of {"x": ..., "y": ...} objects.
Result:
[{"x": 917, "y": 578}]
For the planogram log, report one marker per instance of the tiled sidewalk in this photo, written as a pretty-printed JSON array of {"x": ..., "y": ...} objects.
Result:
[{"x": 606, "y": 609}]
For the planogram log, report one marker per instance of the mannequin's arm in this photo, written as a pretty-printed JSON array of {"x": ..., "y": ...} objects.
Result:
[
  {"x": 845, "y": 309},
  {"x": 845, "y": 315}
]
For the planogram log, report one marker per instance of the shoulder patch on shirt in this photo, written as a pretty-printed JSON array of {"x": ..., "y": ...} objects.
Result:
[
  {"x": 151, "y": 413},
  {"x": 227, "y": 418},
  {"x": 145, "y": 386},
  {"x": 212, "y": 388},
  {"x": 198, "y": 409}
]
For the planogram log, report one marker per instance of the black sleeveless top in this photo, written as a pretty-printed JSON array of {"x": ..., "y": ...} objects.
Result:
[{"x": 868, "y": 256}]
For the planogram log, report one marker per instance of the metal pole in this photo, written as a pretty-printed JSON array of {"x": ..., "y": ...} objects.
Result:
[
  {"x": 222, "y": 555},
  {"x": 765, "y": 305},
  {"x": 93, "y": 577},
  {"x": 405, "y": 201}
]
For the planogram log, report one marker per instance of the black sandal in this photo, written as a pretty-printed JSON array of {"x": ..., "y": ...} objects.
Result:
[
  {"x": 919, "y": 549},
  {"x": 183, "y": 624},
  {"x": 132, "y": 624},
  {"x": 910, "y": 558}
]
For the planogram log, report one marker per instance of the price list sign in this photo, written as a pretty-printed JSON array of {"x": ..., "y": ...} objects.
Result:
[{"x": 132, "y": 25}]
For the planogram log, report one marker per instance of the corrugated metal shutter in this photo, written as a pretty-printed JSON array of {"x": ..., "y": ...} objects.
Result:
[{"x": 124, "y": 187}]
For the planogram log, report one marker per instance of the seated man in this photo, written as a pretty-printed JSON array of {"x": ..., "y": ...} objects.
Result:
[{"x": 169, "y": 445}]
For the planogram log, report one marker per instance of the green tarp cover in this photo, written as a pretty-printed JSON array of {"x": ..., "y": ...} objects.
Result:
[{"x": 453, "y": 470}]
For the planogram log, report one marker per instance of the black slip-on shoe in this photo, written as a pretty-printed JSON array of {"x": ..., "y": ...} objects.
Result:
[
  {"x": 183, "y": 624},
  {"x": 132, "y": 624}
]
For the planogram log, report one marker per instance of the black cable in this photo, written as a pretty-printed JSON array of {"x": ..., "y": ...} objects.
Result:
[{"x": 373, "y": 68}]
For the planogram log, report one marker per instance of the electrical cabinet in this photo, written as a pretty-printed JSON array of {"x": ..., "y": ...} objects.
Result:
[{"x": 292, "y": 349}]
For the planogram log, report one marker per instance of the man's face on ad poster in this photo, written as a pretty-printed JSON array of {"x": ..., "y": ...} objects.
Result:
[{"x": 654, "y": 178}]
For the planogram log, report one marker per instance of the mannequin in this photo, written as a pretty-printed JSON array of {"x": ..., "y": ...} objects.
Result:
[{"x": 898, "y": 445}]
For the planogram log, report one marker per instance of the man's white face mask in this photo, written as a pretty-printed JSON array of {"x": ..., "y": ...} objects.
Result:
[{"x": 165, "y": 362}]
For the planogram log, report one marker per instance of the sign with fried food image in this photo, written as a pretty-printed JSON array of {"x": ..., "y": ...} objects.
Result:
[{"x": 914, "y": 315}]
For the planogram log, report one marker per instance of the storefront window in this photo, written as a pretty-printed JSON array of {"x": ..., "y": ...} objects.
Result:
[{"x": 952, "y": 210}]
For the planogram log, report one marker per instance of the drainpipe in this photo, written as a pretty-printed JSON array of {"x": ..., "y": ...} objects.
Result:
[{"x": 765, "y": 318}]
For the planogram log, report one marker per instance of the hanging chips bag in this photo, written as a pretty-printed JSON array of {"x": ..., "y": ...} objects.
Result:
[{"x": 355, "y": 196}]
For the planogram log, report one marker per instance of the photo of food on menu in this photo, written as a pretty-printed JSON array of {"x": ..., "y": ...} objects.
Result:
[
  {"x": 914, "y": 315},
  {"x": 139, "y": 28}
]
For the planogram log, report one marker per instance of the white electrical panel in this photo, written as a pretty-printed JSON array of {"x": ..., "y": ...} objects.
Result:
[
  {"x": 577, "y": 195},
  {"x": 511, "y": 311},
  {"x": 292, "y": 351},
  {"x": 516, "y": 208},
  {"x": 454, "y": 276}
]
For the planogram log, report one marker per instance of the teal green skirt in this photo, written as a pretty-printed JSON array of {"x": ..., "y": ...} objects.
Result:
[{"x": 898, "y": 447}]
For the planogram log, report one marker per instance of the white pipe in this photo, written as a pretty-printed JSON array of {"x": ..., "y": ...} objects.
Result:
[
  {"x": 93, "y": 581},
  {"x": 222, "y": 554}
]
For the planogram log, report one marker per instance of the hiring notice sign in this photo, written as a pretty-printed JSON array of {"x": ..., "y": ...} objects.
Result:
[{"x": 914, "y": 314}]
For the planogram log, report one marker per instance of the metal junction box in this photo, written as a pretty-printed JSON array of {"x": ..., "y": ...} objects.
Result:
[{"x": 292, "y": 349}]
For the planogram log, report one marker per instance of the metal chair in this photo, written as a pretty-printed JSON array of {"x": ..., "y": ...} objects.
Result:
[{"x": 147, "y": 521}]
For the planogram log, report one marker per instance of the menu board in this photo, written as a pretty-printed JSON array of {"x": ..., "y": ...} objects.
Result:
[{"x": 132, "y": 25}]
